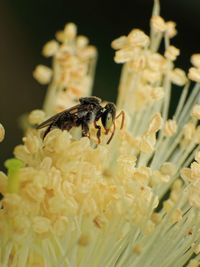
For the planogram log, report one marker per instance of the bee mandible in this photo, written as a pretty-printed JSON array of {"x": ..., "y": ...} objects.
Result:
[{"x": 88, "y": 111}]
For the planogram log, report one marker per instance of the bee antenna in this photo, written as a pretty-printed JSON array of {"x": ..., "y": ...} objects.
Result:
[{"x": 122, "y": 113}]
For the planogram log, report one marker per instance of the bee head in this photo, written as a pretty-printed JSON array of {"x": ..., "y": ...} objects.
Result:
[{"x": 108, "y": 116}]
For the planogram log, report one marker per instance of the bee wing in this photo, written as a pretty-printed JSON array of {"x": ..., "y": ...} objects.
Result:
[{"x": 46, "y": 123}]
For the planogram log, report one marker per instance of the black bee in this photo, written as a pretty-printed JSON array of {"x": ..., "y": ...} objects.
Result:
[{"x": 88, "y": 111}]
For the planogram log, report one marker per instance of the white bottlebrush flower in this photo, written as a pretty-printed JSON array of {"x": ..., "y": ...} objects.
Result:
[{"x": 135, "y": 202}]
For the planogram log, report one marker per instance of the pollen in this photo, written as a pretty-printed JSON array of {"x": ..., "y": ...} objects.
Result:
[
  {"x": 194, "y": 74},
  {"x": 138, "y": 38},
  {"x": 124, "y": 55},
  {"x": 195, "y": 60},
  {"x": 196, "y": 112},
  {"x": 197, "y": 157},
  {"x": 41, "y": 225},
  {"x": 84, "y": 240},
  {"x": 171, "y": 29},
  {"x": 36, "y": 117},
  {"x": 158, "y": 24},
  {"x": 50, "y": 48},
  {"x": 194, "y": 197},
  {"x": 42, "y": 74},
  {"x": 172, "y": 52},
  {"x": 137, "y": 249},
  {"x": 82, "y": 41},
  {"x": 119, "y": 42},
  {"x": 193, "y": 263},
  {"x": 155, "y": 124},
  {"x": 70, "y": 31},
  {"x": 178, "y": 77},
  {"x": 156, "y": 61},
  {"x": 157, "y": 93},
  {"x": 170, "y": 128}
]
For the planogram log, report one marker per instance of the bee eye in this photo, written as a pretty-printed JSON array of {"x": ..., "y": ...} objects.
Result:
[{"x": 107, "y": 120}]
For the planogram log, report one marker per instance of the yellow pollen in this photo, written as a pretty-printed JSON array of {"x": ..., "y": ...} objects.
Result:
[
  {"x": 50, "y": 48},
  {"x": 194, "y": 74},
  {"x": 137, "y": 249},
  {"x": 158, "y": 24},
  {"x": 170, "y": 127},
  {"x": 196, "y": 112},
  {"x": 42, "y": 74},
  {"x": 84, "y": 240},
  {"x": 171, "y": 29},
  {"x": 195, "y": 60},
  {"x": 172, "y": 52},
  {"x": 37, "y": 116}
]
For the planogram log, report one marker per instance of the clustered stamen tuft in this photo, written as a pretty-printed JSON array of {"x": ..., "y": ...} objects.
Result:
[{"x": 72, "y": 72}]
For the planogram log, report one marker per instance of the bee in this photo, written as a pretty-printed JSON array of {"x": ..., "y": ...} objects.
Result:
[{"x": 88, "y": 111}]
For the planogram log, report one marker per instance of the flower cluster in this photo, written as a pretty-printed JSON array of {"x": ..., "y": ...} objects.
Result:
[
  {"x": 134, "y": 202},
  {"x": 72, "y": 70}
]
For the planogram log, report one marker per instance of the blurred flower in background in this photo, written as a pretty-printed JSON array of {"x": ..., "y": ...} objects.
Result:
[{"x": 134, "y": 202}]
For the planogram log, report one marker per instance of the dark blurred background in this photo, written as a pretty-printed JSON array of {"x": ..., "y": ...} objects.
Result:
[{"x": 25, "y": 25}]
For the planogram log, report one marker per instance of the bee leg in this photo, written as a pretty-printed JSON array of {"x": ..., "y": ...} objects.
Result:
[
  {"x": 106, "y": 131},
  {"x": 85, "y": 130},
  {"x": 66, "y": 127},
  {"x": 47, "y": 131},
  {"x": 51, "y": 127},
  {"x": 98, "y": 132},
  {"x": 111, "y": 137},
  {"x": 123, "y": 118}
]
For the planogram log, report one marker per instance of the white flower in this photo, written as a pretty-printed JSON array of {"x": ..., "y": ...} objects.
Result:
[{"x": 134, "y": 202}]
